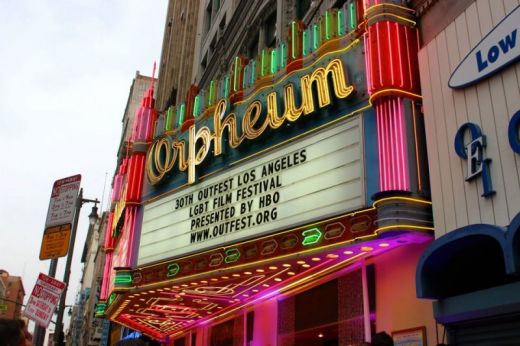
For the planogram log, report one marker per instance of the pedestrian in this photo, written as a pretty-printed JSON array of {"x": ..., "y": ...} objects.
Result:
[
  {"x": 12, "y": 332},
  {"x": 382, "y": 339}
]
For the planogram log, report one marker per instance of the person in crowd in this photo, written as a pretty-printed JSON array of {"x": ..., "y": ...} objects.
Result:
[
  {"x": 382, "y": 339},
  {"x": 12, "y": 333}
]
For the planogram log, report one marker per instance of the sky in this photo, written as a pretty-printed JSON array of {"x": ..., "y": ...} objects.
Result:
[{"x": 67, "y": 67}]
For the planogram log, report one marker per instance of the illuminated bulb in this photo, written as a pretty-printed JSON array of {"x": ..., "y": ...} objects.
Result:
[
  {"x": 141, "y": 299},
  {"x": 255, "y": 290},
  {"x": 236, "y": 275},
  {"x": 225, "y": 277},
  {"x": 300, "y": 262},
  {"x": 193, "y": 283},
  {"x": 305, "y": 265},
  {"x": 214, "y": 279},
  {"x": 348, "y": 252},
  {"x": 384, "y": 245},
  {"x": 260, "y": 270},
  {"x": 277, "y": 279},
  {"x": 332, "y": 255},
  {"x": 144, "y": 293},
  {"x": 286, "y": 265},
  {"x": 248, "y": 273},
  {"x": 366, "y": 248},
  {"x": 184, "y": 285},
  {"x": 273, "y": 268},
  {"x": 290, "y": 273},
  {"x": 265, "y": 285},
  {"x": 136, "y": 305},
  {"x": 175, "y": 287},
  {"x": 320, "y": 335},
  {"x": 316, "y": 259},
  {"x": 203, "y": 282},
  {"x": 151, "y": 291},
  {"x": 245, "y": 295},
  {"x": 130, "y": 296}
]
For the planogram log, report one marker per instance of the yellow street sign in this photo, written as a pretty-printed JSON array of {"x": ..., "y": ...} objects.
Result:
[{"x": 55, "y": 242}]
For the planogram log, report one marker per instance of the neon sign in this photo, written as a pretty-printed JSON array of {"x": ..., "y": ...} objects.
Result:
[{"x": 165, "y": 153}]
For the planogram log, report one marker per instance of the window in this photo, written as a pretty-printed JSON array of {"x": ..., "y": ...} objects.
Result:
[
  {"x": 204, "y": 61},
  {"x": 252, "y": 49},
  {"x": 302, "y": 7},
  {"x": 339, "y": 3},
  {"x": 222, "y": 334},
  {"x": 208, "y": 17},
  {"x": 270, "y": 30},
  {"x": 222, "y": 24}
]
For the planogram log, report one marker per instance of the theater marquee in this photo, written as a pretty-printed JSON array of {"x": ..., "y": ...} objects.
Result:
[{"x": 305, "y": 181}]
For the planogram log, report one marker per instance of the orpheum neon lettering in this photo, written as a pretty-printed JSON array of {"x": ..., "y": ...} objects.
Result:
[{"x": 165, "y": 152}]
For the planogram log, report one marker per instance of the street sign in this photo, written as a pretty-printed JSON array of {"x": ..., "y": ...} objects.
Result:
[
  {"x": 44, "y": 298},
  {"x": 63, "y": 201},
  {"x": 55, "y": 242}
]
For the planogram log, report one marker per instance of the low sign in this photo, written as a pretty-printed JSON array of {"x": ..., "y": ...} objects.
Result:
[
  {"x": 497, "y": 50},
  {"x": 44, "y": 299},
  {"x": 55, "y": 242}
]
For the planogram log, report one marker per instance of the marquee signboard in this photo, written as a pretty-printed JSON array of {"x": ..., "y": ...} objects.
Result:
[{"x": 301, "y": 182}]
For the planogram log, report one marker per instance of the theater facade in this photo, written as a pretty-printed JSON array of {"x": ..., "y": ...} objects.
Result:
[
  {"x": 286, "y": 204},
  {"x": 470, "y": 79}
]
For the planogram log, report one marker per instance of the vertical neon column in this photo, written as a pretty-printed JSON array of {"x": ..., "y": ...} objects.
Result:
[{"x": 391, "y": 42}]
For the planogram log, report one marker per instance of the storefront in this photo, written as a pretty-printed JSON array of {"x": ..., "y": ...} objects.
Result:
[
  {"x": 470, "y": 80},
  {"x": 288, "y": 203}
]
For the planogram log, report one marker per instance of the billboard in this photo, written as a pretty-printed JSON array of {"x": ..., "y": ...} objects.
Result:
[{"x": 307, "y": 180}]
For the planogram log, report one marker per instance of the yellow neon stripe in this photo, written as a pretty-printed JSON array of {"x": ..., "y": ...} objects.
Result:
[
  {"x": 373, "y": 7},
  {"x": 386, "y": 14},
  {"x": 422, "y": 228},
  {"x": 408, "y": 199},
  {"x": 393, "y": 90}
]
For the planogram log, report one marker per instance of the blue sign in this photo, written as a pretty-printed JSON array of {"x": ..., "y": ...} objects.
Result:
[
  {"x": 473, "y": 153},
  {"x": 497, "y": 50}
]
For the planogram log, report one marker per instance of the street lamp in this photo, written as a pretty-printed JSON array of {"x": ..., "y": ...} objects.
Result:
[{"x": 92, "y": 220}]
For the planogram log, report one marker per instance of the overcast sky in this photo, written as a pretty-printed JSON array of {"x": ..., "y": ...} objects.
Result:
[{"x": 67, "y": 67}]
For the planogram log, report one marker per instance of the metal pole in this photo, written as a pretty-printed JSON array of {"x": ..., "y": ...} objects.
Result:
[
  {"x": 66, "y": 276},
  {"x": 39, "y": 332}
]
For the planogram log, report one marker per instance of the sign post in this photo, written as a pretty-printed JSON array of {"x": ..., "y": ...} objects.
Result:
[
  {"x": 60, "y": 214},
  {"x": 57, "y": 234},
  {"x": 44, "y": 300}
]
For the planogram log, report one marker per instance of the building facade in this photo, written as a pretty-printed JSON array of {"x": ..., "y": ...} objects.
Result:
[
  {"x": 11, "y": 300},
  {"x": 285, "y": 200},
  {"x": 85, "y": 328},
  {"x": 138, "y": 88},
  {"x": 470, "y": 79}
]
